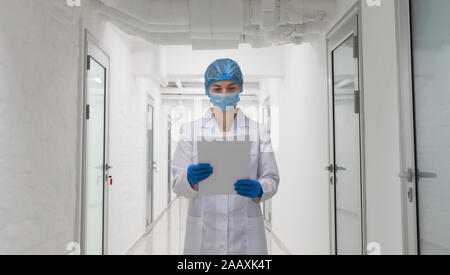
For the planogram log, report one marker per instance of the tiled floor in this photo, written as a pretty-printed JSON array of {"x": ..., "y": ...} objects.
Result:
[{"x": 167, "y": 236}]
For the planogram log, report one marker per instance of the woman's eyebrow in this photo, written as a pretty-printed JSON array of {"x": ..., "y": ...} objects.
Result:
[{"x": 232, "y": 84}]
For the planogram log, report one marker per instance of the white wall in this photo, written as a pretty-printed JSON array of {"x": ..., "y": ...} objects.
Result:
[
  {"x": 300, "y": 209},
  {"x": 382, "y": 127},
  {"x": 39, "y": 126}
]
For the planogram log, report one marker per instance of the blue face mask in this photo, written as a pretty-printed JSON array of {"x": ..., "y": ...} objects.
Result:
[{"x": 225, "y": 102}]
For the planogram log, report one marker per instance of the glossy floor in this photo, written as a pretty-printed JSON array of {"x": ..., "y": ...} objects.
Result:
[{"x": 167, "y": 236}]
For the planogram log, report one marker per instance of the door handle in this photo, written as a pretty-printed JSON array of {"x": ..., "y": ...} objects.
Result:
[
  {"x": 426, "y": 175},
  {"x": 333, "y": 168},
  {"x": 409, "y": 175}
]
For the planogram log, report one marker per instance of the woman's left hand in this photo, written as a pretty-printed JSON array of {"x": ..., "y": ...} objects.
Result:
[{"x": 249, "y": 188}]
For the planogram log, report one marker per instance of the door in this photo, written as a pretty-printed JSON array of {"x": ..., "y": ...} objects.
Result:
[
  {"x": 345, "y": 145},
  {"x": 169, "y": 160},
  {"x": 150, "y": 164},
  {"x": 96, "y": 152},
  {"x": 429, "y": 195}
]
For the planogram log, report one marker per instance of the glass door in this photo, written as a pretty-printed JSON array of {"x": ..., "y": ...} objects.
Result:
[
  {"x": 345, "y": 168},
  {"x": 95, "y": 159},
  {"x": 431, "y": 96},
  {"x": 150, "y": 164}
]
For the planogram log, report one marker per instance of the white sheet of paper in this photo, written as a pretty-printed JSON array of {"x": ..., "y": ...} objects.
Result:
[{"x": 231, "y": 162}]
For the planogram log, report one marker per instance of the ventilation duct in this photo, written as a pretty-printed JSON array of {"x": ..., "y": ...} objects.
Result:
[{"x": 218, "y": 24}]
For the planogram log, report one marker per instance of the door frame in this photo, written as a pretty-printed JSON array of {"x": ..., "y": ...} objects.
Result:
[
  {"x": 407, "y": 128},
  {"x": 92, "y": 49},
  {"x": 169, "y": 160},
  {"x": 267, "y": 106},
  {"x": 148, "y": 227},
  {"x": 341, "y": 31}
]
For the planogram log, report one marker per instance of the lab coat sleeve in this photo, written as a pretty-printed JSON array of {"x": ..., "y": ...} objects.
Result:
[
  {"x": 182, "y": 159},
  {"x": 268, "y": 174}
]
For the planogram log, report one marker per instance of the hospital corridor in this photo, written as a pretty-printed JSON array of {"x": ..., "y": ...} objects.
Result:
[{"x": 224, "y": 127}]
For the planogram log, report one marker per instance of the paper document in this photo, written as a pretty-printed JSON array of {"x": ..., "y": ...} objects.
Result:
[{"x": 230, "y": 161}]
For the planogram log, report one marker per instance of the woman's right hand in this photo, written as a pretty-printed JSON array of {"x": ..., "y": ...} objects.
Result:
[{"x": 199, "y": 172}]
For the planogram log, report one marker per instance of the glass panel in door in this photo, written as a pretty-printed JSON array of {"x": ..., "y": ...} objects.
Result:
[
  {"x": 431, "y": 55},
  {"x": 150, "y": 165},
  {"x": 95, "y": 158},
  {"x": 347, "y": 156}
]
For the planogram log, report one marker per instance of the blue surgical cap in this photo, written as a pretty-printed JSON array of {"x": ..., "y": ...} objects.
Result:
[{"x": 223, "y": 70}]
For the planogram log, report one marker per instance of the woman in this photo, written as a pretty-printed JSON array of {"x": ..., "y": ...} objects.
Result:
[{"x": 225, "y": 224}]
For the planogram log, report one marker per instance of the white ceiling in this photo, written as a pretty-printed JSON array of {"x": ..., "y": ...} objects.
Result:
[{"x": 219, "y": 24}]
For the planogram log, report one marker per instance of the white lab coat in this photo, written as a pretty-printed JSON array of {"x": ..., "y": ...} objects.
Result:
[{"x": 225, "y": 224}]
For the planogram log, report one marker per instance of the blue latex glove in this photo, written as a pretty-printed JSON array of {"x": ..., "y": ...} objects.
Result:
[
  {"x": 249, "y": 188},
  {"x": 199, "y": 172}
]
